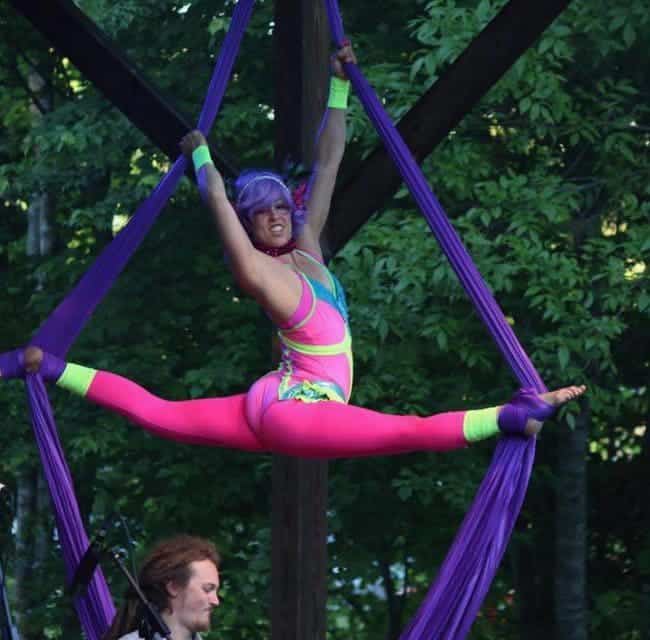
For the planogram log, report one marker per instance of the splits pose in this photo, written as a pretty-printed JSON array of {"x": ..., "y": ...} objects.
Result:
[{"x": 272, "y": 241}]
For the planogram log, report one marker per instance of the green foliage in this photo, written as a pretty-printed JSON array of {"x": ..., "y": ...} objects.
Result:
[{"x": 546, "y": 181}]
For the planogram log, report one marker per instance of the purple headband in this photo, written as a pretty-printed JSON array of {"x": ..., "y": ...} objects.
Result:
[{"x": 258, "y": 179}]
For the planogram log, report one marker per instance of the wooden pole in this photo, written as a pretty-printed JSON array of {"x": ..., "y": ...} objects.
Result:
[{"x": 299, "y": 487}]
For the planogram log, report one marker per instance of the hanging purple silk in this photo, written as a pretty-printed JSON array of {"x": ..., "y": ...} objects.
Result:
[
  {"x": 95, "y": 607},
  {"x": 60, "y": 330},
  {"x": 467, "y": 572}
]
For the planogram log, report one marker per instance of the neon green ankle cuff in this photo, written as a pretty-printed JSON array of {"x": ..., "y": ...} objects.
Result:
[
  {"x": 201, "y": 156},
  {"x": 76, "y": 378},
  {"x": 339, "y": 92},
  {"x": 480, "y": 424}
]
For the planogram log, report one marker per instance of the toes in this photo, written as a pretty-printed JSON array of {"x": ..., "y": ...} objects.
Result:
[
  {"x": 570, "y": 393},
  {"x": 576, "y": 391},
  {"x": 561, "y": 396}
]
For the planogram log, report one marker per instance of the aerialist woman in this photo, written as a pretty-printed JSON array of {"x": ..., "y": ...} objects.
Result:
[{"x": 301, "y": 408}]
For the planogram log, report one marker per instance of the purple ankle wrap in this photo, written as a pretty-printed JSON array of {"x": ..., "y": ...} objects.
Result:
[
  {"x": 512, "y": 420},
  {"x": 12, "y": 364},
  {"x": 523, "y": 405},
  {"x": 51, "y": 367}
]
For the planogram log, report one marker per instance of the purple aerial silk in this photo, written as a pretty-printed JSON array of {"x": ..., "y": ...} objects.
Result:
[
  {"x": 467, "y": 572},
  {"x": 95, "y": 607}
]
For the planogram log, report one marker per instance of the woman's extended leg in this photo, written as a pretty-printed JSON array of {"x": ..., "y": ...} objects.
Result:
[
  {"x": 217, "y": 422},
  {"x": 335, "y": 430},
  {"x": 332, "y": 429}
]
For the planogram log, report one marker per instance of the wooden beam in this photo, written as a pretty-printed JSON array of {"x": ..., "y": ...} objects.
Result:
[
  {"x": 299, "y": 549},
  {"x": 440, "y": 109},
  {"x": 299, "y": 487},
  {"x": 78, "y": 38}
]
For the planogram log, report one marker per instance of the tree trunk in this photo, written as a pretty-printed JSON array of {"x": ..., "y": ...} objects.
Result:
[
  {"x": 25, "y": 491},
  {"x": 33, "y": 523},
  {"x": 645, "y": 583},
  {"x": 394, "y": 601},
  {"x": 8, "y": 630},
  {"x": 534, "y": 553},
  {"x": 571, "y": 531}
]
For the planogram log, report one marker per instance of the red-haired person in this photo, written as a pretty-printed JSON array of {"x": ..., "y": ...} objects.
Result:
[{"x": 180, "y": 578}]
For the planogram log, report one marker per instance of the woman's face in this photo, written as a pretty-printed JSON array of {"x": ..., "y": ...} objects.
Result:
[{"x": 271, "y": 226}]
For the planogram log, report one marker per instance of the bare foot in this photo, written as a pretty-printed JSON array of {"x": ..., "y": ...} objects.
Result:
[
  {"x": 33, "y": 359},
  {"x": 556, "y": 399}
]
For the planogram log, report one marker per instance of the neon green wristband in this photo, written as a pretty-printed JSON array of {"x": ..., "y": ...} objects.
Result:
[
  {"x": 339, "y": 91},
  {"x": 201, "y": 156}
]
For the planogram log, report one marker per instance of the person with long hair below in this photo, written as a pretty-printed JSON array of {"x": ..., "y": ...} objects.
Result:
[
  {"x": 179, "y": 578},
  {"x": 272, "y": 239}
]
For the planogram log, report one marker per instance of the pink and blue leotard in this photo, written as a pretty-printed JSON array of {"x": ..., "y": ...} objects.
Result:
[{"x": 316, "y": 362}]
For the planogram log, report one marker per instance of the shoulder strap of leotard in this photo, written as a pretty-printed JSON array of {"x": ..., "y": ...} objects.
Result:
[{"x": 325, "y": 270}]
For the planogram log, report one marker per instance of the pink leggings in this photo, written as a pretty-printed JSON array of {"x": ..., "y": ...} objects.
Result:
[{"x": 257, "y": 421}]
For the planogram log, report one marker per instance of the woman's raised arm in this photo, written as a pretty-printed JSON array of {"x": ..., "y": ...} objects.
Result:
[
  {"x": 275, "y": 287},
  {"x": 236, "y": 242},
  {"x": 329, "y": 153}
]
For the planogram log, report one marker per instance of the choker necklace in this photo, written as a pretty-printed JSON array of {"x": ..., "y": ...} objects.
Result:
[{"x": 275, "y": 251}]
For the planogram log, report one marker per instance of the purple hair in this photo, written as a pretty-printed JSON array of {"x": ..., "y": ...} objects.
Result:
[{"x": 256, "y": 190}]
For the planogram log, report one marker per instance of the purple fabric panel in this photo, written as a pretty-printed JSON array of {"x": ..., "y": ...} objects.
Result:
[
  {"x": 449, "y": 609},
  {"x": 95, "y": 609},
  {"x": 454, "y": 599},
  {"x": 60, "y": 330},
  {"x": 62, "y": 327},
  {"x": 224, "y": 64}
]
